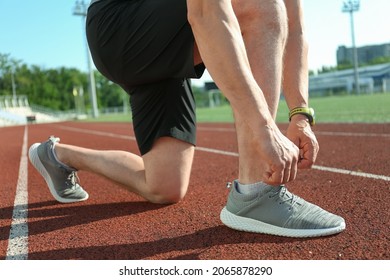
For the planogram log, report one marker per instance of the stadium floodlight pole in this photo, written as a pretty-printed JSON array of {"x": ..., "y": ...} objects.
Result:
[
  {"x": 351, "y": 7},
  {"x": 80, "y": 9},
  {"x": 13, "y": 83}
]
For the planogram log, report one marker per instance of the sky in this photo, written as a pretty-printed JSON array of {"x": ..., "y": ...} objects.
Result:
[{"x": 47, "y": 34}]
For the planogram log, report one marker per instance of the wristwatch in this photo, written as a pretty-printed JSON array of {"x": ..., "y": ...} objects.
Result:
[{"x": 308, "y": 112}]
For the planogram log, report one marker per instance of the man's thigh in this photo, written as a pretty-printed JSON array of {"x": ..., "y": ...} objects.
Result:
[{"x": 141, "y": 42}]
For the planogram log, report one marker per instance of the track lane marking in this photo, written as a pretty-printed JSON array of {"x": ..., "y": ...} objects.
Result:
[
  {"x": 351, "y": 134},
  {"x": 325, "y": 133},
  {"x": 227, "y": 153},
  {"x": 96, "y": 132},
  {"x": 353, "y": 173},
  {"x": 18, "y": 236},
  {"x": 317, "y": 167}
]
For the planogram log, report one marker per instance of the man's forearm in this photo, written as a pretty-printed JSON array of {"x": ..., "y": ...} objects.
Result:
[
  {"x": 295, "y": 72},
  {"x": 221, "y": 46}
]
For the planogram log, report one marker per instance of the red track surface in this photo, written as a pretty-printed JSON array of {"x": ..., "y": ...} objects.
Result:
[{"x": 115, "y": 224}]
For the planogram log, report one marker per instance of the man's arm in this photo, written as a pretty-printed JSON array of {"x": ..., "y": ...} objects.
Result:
[
  {"x": 219, "y": 40},
  {"x": 295, "y": 74},
  {"x": 221, "y": 46},
  {"x": 295, "y": 84}
]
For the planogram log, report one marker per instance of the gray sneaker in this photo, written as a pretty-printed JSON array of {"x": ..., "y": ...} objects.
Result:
[
  {"x": 61, "y": 180},
  {"x": 279, "y": 212}
]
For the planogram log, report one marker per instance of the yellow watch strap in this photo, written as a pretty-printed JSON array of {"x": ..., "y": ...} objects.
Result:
[{"x": 308, "y": 112}]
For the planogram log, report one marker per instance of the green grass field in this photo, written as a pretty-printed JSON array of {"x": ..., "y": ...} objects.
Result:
[{"x": 373, "y": 108}]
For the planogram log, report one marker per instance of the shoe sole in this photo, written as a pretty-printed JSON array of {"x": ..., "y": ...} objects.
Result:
[
  {"x": 34, "y": 159},
  {"x": 250, "y": 225}
]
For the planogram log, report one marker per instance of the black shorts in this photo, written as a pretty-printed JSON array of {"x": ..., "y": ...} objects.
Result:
[{"x": 147, "y": 47}]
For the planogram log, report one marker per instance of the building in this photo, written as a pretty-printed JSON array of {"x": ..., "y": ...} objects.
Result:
[
  {"x": 374, "y": 78},
  {"x": 365, "y": 54}
]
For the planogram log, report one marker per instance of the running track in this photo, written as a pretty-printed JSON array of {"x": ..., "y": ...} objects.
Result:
[{"x": 351, "y": 178}]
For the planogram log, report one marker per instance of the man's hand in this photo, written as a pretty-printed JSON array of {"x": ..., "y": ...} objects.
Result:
[
  {"x": 279, "y": 157},
  {"x": 300, "y": 133}
]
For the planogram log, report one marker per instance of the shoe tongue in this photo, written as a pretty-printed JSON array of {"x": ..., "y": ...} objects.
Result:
[
  {"x": 276, "y": 189},
  {"x": 54, "y": 139},
  {"x": 286, "y": 194},
  {"x": 282, "y": 191}
]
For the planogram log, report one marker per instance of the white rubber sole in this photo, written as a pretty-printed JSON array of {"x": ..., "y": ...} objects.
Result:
[
  {"x": 34, "y": 159},
  {"x": 246, "y": 224}
]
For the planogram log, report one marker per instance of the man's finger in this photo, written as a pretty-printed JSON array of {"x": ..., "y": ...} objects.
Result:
[{"x": 274, "y": 178}]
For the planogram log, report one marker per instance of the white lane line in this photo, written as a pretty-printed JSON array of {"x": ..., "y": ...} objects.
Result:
[
  {"x": 214, "y": 151},
  {"x": 221, "y": 129},
  {"x": 351, "y": 134},
  {"x": 353, "y": 173},
  {"x": 322, "y": 168},
  {"x": 227, "y": 153},
  {"x": 326, "y": 133},
  {"x": 96, "y": 132},
  {"x": 18, "y": 236}
]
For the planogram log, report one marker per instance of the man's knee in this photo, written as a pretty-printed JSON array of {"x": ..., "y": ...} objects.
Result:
[
  {"x": 167, "y": 170},
  {"x": 167, "y": 193}
]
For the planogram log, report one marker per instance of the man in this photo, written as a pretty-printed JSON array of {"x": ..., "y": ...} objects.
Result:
[{"x": 151, "y": 48}]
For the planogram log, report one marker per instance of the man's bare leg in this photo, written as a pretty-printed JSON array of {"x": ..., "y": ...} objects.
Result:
[
  {"x": 155, "y": 176},
  {"x": 264, "y": 28}
]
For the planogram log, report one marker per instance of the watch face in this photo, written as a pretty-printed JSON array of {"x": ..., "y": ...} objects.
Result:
[{"x": 312, "y": 112}]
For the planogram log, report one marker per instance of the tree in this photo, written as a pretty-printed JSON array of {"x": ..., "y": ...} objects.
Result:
[
  {"x": 108, "y": 93},
  {"x": 53, "y": 88},
  {"x": 8, "y": 67}
]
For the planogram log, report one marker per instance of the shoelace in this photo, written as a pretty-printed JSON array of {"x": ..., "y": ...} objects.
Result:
[
  {"x": 286, "y": 196},
  {"x": 73, "y": 180}
]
